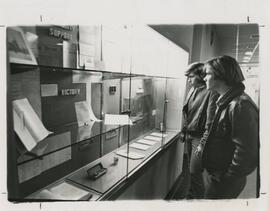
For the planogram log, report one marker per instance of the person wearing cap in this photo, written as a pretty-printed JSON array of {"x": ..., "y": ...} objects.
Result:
[
  {"x": 231, "y": 151},
  {"x": 198, "y": 113}
]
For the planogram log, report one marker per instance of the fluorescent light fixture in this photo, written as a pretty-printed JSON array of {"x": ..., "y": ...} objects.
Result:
[{"x": 248, "y": 53}]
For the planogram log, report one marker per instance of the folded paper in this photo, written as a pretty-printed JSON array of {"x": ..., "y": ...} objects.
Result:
[
  {"x": 84, "y": 113},
  {"x": 27, "y": 124}
]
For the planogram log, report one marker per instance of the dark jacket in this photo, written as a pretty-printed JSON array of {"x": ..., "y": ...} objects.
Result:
[
  {"x": 198, "y": 112},
  {"x": 232, "y": 145}
]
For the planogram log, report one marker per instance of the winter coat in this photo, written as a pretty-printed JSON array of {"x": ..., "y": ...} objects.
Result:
[
  {"x": 198, "y": 112},
  {"x": 232, "y": 145}
]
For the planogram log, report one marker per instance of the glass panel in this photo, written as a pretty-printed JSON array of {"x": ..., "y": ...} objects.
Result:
[
  {"x": 113, "y": 150},
  {"x": 147, "y": 100},
  {"x": 175, "y": 90}
]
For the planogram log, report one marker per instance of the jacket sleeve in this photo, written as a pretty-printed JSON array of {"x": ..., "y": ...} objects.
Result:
[
  {"x": 245, "y": 136},
  {"x": 210, "y": 113},
  {"x": 184, "y": 111}
]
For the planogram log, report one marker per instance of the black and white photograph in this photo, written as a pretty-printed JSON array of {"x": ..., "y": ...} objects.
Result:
[
  {"x": 134, "y": 112},
  {"x": 19, "y": 51}
]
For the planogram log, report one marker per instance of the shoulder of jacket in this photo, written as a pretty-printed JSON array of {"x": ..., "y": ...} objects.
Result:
[
  {"x": 241, "y": 101},
  {"x": 213, "y": 95}
]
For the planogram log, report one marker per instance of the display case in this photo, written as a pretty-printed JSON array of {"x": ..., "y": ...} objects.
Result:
[{"x": 77, "y": 130}]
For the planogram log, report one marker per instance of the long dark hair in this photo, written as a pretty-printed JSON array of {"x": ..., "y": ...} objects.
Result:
[{"x": 227, "y": 69}]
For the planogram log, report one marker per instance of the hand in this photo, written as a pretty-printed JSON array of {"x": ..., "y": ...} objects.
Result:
[
  {"x": 199, "y": 150},
  {"x": 182, "y": 137}
]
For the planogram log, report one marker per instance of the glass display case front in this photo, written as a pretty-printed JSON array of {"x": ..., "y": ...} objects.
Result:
[{"x": 80, "y": 130}]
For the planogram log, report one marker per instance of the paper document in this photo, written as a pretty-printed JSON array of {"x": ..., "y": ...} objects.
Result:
[
  {"x": 49, "y": 90},
  {"x": 159, "y": 134},
  {"x": 84, "y": 114},
  {"x": 117, "y": 119},
  {"x": 139, "y": 146},
  {"x": 86, "y": 55},
  {"x": 131, "y": 155},
  {"x": 147, "y": 142},
  {"x": 152, "y": 138},
  {"x": 27, "y": 124}
]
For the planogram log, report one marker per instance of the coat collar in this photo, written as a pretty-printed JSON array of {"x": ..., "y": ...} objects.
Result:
[
  {"x": 233, "y": 92},
  {"x": 192, "y": 90}
]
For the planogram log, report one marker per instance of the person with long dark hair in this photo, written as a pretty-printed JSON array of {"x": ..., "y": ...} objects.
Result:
[{"x": 231, "y": 150}]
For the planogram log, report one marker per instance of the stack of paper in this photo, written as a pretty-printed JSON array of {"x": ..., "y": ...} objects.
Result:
[{"x": 27, "y": 124}]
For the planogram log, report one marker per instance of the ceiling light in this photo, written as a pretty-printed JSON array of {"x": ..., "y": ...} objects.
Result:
[{"x": 246, "y": 57}]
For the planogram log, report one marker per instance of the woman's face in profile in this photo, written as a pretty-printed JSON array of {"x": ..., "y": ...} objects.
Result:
[{"x": 193, "y": 80}]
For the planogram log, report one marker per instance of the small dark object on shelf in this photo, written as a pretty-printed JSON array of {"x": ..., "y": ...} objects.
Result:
[{"x": 96, "y": 171}]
